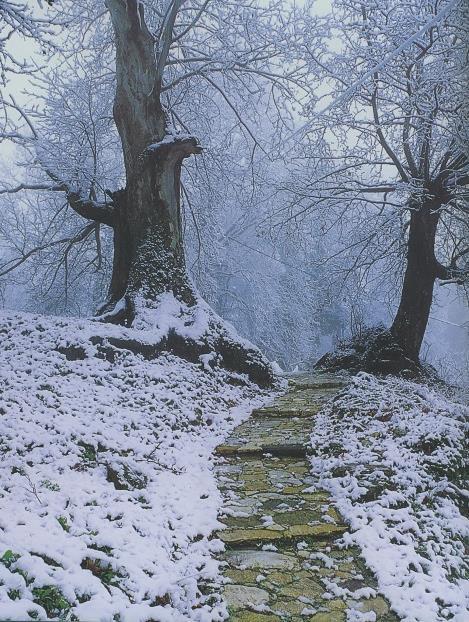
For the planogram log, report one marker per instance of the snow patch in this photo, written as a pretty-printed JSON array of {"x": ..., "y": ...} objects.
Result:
[
  {"x": 391, "y": 452},
  {"x": 107, "y": 491}
]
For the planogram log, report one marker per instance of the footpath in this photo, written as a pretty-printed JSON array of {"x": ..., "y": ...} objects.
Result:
[{"x": 282, "y": 559}]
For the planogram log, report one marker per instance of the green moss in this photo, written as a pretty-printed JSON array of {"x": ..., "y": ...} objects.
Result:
[
  {"x": 52, "y": 600},
  {"x": 46, "y": 483},
  {"x": 252, "y": 616},
  {"x": 242, "y": 577},
  {"x": 8, "y": 558},
  {"x": 88, "y": 453},
  {"x": 62, "y": 520}
]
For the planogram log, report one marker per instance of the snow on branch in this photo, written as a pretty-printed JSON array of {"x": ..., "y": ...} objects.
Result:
[{"x": 347, "y": 94}]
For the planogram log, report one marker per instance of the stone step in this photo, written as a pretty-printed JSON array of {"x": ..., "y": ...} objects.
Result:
[
  {"x": 302, "y": 403},
  {"x": 253, "y": 449},
  {"x": 317, "y": 381},
  {"x": 290, "y": 410},
  {"x": 274, "y": 502},
  {"x": 279, "y": 436},
  {"x": 290, "y": 584},
  {"x": 240, "y": 538},
  {"x": 280, "y": 533}
]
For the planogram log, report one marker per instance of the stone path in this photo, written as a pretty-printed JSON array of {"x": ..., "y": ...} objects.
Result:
[{"x": 281, "y": 560}]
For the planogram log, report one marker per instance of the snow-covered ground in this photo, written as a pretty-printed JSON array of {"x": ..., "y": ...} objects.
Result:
[
  {"x": 107, "y": 493},
  {"x": 391, "y": 452}
]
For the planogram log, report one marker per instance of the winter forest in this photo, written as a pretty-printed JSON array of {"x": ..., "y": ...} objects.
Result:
[{"x": 234, "y": 327}]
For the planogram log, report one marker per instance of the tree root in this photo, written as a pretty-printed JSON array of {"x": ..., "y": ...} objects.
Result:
[
  {"x": 374, "y": 351},
  {"x": 227, "y": 353}
]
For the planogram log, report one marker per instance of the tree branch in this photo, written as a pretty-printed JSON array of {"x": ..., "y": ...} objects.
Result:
[
  {"x": 87, "y": 208},
  {"x": 15, "y": 263},
  {"x": 166, "y": 38}
]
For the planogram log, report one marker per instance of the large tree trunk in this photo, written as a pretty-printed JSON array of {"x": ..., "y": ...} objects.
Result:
[
  {"x": 411, "y": 320},
  {"x": 148, "y": 246}
]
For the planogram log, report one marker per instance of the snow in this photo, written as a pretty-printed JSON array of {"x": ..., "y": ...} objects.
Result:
[
  {"x": 155, "y": 319},
  {"x": 277, "y": 369},
  {"x": 391, "y": 452},
  {"x": 171, "y": 139},
  {"x": 107, "y": 492}
]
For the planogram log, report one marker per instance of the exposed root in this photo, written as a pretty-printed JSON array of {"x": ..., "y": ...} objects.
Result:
[
  {"x": 120, "y": 313},
  {"x": 212, "y": 343},
  {"x": 374, "y": 351},
  {"x": 229, "y": 355}
]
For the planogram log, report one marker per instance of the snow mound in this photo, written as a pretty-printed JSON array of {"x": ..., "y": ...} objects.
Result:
[
  {"x": 375, "y": 351},
  {"x": 107, "y": 493},
  {"x": 189, "y": 331},
  {"x": 391, "y": 452}
]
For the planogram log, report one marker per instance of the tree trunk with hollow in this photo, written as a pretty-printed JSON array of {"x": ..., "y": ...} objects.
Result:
[
  {"x": 411, "y": 320},
  {"x": 148, "y": 247},
  {"x": 148, "y": 244}
]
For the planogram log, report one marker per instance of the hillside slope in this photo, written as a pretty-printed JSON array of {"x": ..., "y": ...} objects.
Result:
[
  {"x": 393, "y": 454},
  {"x": 107, "y": 493}
]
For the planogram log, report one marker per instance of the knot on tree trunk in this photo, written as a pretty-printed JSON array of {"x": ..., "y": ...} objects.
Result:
[{"x": 172, "y": 148}]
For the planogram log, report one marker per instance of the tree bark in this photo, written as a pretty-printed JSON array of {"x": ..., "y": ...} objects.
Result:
[
  {"x": 148, "y": 247},
  {"x": 146, "y": 216},
  {"x": 411, "y": 320}
]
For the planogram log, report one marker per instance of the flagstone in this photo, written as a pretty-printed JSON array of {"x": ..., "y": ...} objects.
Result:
[{"x": 277, "y": 519}]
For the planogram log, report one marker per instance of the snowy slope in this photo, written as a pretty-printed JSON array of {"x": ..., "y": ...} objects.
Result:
[
  {"x": 393, "y": 455},
  {"x": 107, "y": 494}
]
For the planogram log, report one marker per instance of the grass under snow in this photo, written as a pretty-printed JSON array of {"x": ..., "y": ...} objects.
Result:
[
  {"x": 393, "y": 455},
  {"x": 107, "y": 493},
  {"x": 108, "y": 500}
]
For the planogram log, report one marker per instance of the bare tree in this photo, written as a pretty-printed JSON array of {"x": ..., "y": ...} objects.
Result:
[
  {"x": 22, "y": 24},
  {"x": 165, "y": 62},
  {"x": 391, "y": 168}
]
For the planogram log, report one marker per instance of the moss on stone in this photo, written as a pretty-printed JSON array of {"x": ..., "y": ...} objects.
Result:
[
  {"x": 242, "y": 577},
  {"x": 328, "y": 616},
  {"x": 276, "y": 486},
  {"x": 253, "y": 616},
  {"x": 305, "y": 588}
]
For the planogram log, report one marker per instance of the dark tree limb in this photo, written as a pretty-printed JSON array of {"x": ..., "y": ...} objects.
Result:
[
  {"x": 453, "y": 273},
  {"x": 91, "y": 210},
  {"x": 103, "y": 213}
]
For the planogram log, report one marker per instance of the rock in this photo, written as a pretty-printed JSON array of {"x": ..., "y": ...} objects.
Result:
[
  {"x": 286, "y": 608},
  {"x": 243, "y": 577},
  {"x": 280, "y": 578},
  {"x": 246, "y": 536},
  {"x": 252, "y": 616},
  {"x": 305, "y": 588},
  {"x": 242, "y": 596},
  {"x": 378, "y": 605},
  {"x": 238, "y": 537},
  {"x": 296, "y": 517},
  {"x": 327, "y": 530},
  {"x": 261, "y": 559},
  {"x": 328, "y": 616},
  {"x": 337, "y": 604}
]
